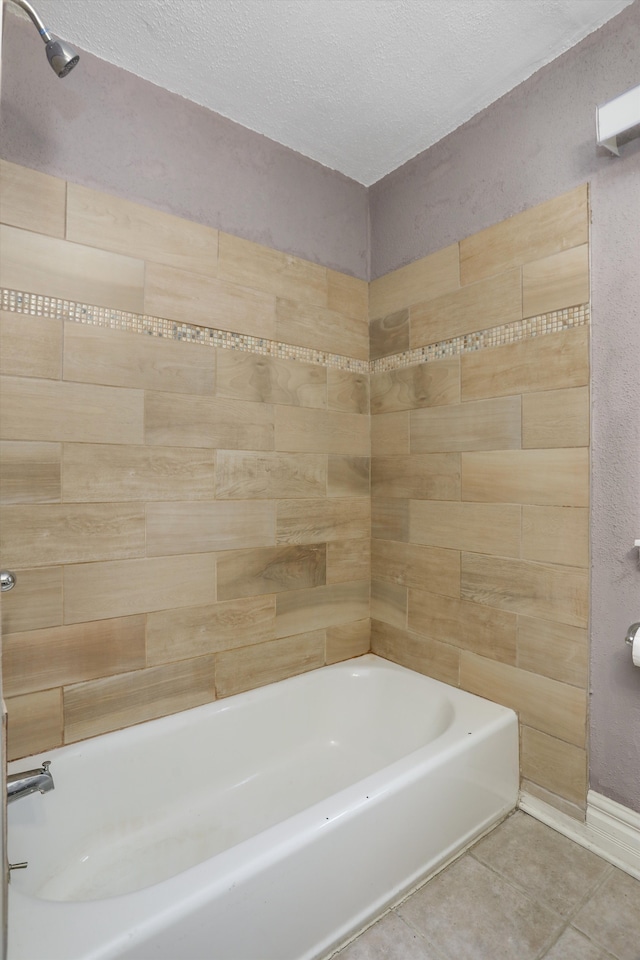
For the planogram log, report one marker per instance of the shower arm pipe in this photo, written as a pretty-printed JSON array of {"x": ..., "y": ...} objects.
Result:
[{"x": 46, "y": 35}]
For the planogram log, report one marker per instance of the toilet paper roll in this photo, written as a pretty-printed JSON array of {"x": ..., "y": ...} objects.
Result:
[{"x": 635, "y": 649}]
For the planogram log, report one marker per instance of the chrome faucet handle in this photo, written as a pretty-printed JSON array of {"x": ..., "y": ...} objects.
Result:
[
  {"x": 45, "y": 766},
  {"x": 631, "y": 633}
]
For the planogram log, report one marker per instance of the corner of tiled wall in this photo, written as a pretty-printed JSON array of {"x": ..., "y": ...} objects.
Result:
[{"x": 480, "y": 477}]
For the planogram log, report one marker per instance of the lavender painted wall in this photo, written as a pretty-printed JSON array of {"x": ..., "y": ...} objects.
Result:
[
  {"x": 108, "y": 129},
  {"x": 535, "y": 143},
  {"x": 615, "y": 480}
]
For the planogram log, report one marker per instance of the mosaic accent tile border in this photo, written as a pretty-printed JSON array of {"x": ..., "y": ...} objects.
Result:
[
  {"x": 513, "y": 332},
  {"x": 37, "y": 305}
]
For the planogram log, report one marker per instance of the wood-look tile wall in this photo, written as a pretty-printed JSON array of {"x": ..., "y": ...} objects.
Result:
[
  {"x": 480, "y": 483},
  {"x": 188, "y": 523},
  {"x": 184, "y": 522}
]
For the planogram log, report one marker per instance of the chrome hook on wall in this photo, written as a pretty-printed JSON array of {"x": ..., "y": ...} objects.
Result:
[{"x": 7, "y": 580}]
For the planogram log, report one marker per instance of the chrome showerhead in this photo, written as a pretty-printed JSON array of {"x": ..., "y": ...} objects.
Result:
[{"x": 60, "y": 55}]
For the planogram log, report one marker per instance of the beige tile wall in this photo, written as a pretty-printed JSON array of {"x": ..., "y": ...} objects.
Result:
[
  {"x": 188, "y": 522},
  {"x": 480, "y": 483},
  {"x": 185, "y": 522}
]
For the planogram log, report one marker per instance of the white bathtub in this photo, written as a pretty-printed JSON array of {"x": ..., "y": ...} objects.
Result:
[{"x": 268, "y": 826}]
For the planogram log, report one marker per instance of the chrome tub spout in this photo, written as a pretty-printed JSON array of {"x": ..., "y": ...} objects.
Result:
[{"x": 22, "y": 784}]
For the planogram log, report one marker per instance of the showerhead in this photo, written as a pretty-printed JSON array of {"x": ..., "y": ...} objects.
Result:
[{"x": 60, "y": 55}]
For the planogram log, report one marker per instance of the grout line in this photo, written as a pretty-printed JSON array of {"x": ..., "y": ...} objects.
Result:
[
  {"x": 520, "y": 888},
  {"x": 569, "y": 926},
  {"x": 570, "y": 916},
  {"x": 594, "y": 889},
  {"x": 552, "y": 944},
  {"x": 434, "y": 951},
  {"x": 580, "y": 904},
  {"x": 524, "y": 891}
]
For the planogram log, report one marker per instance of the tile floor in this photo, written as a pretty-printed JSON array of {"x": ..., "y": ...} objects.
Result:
[{"x": 524, "y": 892}]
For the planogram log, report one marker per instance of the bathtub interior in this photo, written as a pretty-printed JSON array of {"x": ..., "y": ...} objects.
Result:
[{"x": 135, "y": 807}]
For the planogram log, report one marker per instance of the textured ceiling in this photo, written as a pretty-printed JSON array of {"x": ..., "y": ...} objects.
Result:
[{"x": 359, "y": 85}]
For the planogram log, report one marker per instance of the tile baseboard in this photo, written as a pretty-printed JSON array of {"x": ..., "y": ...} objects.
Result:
[{"x": 610, "y": 829}]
